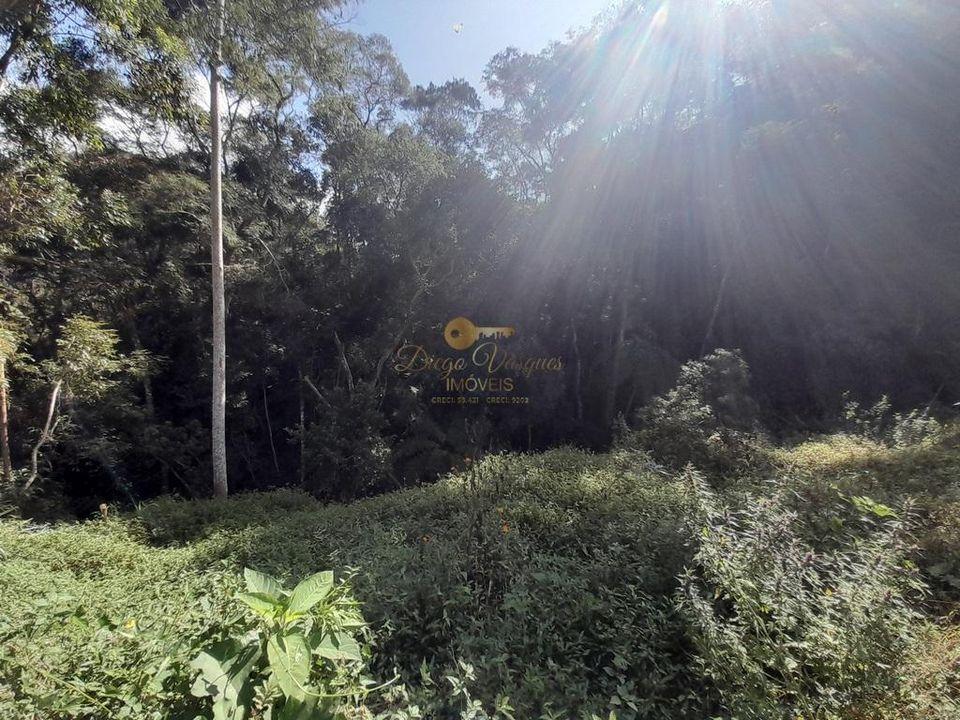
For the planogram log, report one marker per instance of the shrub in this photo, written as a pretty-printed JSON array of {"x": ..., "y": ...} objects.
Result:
[
  {"x": 93, "y": 624},
  {"x": 880, "y": 424},
  {"x": 785, "y": 630},
  {"x": 707, "y": 419},
  {"x": 525, "y": 587},
  {"x": 550, "y": 576},
  {"x": 821, "y": 469},
  {"x": 301, "y": 658},
  {"x": 170, "y": 521},
  {"x": 96, "y": 625},
  {"x": 346, "y": 454},
  {"x": 541, "y": 586}
]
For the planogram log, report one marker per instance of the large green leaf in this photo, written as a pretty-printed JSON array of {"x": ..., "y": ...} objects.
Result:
[
  {"x": 258, "y": 582},
  {"x": 336, "y": 646},
  {"x": 309, "y": 592},
  {"x": 262, "y": 603},
  {"x": 306, "y": 709},
  {"x": 212, "y": 664},
  {"x": 224, "y": 673},
  {"x": 289, "y": 656}
]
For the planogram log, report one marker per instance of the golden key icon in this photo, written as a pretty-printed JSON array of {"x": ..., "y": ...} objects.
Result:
[{"x": 460, "y": 333}]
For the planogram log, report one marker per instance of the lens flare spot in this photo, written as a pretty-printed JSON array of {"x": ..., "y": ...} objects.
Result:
[{"x": 660, "y": 17}]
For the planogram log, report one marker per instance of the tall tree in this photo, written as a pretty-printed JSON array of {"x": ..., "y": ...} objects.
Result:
[
  {"x": 243, "y": 47},
  {"x": 218, "y": 433},
  {"x": 8, "y": 346}
]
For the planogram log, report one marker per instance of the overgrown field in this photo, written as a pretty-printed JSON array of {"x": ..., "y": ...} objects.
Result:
[{"x": 562, "y": 585}]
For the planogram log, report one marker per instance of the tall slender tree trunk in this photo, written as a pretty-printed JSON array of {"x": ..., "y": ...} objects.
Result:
[
  {"x": 618, "y": 341},
  {"x": 218, "y": 424},
  {"x": 266, "y": 414},
  {"x": 6, "y": 469},
  {"x": 578, "y": 377},
  {"x": 303, "y": 425}
]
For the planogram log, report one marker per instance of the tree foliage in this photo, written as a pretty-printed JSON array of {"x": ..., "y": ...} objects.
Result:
[{"x": 672, "y": 180}]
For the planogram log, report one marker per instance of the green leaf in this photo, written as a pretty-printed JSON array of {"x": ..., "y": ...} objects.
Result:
[
  {"x": 211, "y": 663},
  {"x": 868, "y": 505},
  {"x": 258, "y": 582},
  {"x": 302, "y": 709},
  {"x": 289, "y": 657},
  {"x": 261, "y": 603},
  {"x": 337, "y": 646},
  {"x": 224, "y": 675},
  {"x": 309, "y": 592},
  {"x": 201, "y": 688}
]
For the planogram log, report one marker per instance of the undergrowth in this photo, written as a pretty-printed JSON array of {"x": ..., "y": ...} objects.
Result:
[{"x": 558, "y": 585}]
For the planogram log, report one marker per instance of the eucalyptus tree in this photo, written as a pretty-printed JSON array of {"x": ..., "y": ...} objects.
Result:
[
  {"x": 236, "y": 43},
  {"x": 448, "y": 114}
]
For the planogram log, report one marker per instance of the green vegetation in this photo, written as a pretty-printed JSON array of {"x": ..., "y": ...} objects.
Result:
[
  {"x": 727, "y": 229},
  {"x": 299, "y": 633},
  {"x": 677, "y": 178},
  {"x": 787, "y": 628},
  {"x": 566, "y": 584}
]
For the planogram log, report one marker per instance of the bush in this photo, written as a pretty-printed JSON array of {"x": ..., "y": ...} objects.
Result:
[
  {"x": 785, "y": 630},
  {"x": 708, "y": 419},
  {"x": 345, "y": 452},
  {"x": 170, "y": 521},
  {"x": 538, "y": 585},
  {"x": 541, "y": 586},
  {"x": 300, "y": 658},
  {"x": 94, "y": 624},
  {"x": 549, "y": 576},
  {"x": 880, "y": 424},
  {"x": 822, "y": 469}
]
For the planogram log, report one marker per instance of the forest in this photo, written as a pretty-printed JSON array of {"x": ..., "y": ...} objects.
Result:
[{"x": 624, "y": 386}]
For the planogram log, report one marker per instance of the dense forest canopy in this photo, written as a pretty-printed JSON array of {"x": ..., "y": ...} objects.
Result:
[{"x": 781, "y": 177}]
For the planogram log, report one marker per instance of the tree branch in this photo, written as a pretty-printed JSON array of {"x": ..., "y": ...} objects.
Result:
[
  {"x": 343, "y": 361},
  {"x": 320, "y": 395},
  {"x": 46, "y": 435}
]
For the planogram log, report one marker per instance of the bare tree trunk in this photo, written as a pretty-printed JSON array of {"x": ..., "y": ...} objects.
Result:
[
  {"x": 16, "y": 38},
  {"x": 147, "y": 384},
  {"x": 6, "y": 469},
  {"x": 343, "y": 361},
  {"x": 218, "y": 424},
  {"x": 618, "y": 341},
  {"x": 45, "y": 436},
  {"x": 578, "y": 377},
  {"x": 22, "y": 14},
  {"x": 266, "y": 414},
  {"x": 303, "y": 426}
]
